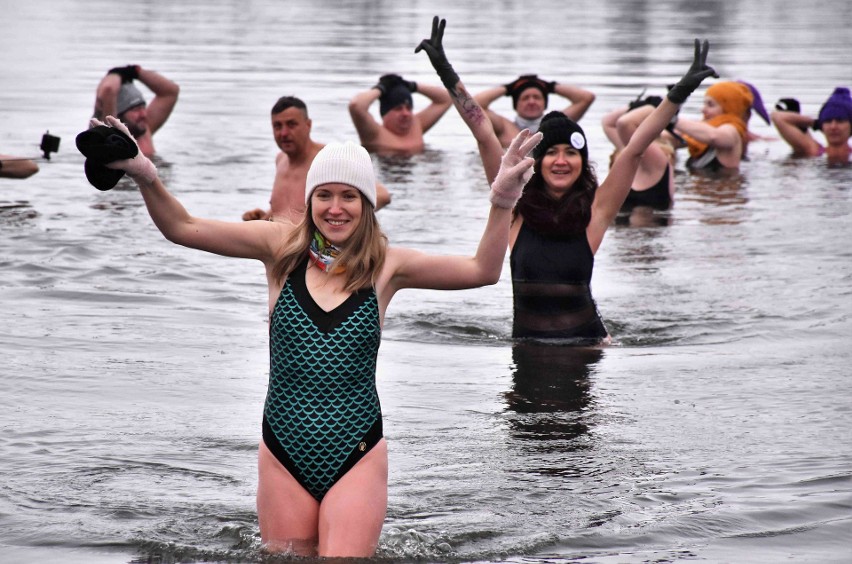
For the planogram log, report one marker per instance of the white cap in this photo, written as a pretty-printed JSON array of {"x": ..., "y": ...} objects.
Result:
[{"x": 344, "y": 163}]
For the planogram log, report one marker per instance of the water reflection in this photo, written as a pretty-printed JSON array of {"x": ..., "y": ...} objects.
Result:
[
  {"x": 643, "y": 216},
  {"x": 550, "y": 392}
]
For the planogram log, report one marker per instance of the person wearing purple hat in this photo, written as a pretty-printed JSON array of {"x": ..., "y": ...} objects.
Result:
[
  {"x": 117, "y": 95},
  {"x": 530, "y": 95},
  {"x": 834, "y": 120},
  {"x": 560, "y": 220},
  {"x": 401, "y": 130}
]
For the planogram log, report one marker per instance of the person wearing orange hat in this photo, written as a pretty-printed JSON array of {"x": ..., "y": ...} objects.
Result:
[
  {"x": 720, "y": 140},
  {"x": 834, "y": 120},
  {"x": 529, "y": 95}
]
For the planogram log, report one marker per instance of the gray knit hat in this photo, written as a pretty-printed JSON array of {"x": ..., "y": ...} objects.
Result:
[
  {"x": 344, "y": 163},
  {"x": 128, "y": 98}
]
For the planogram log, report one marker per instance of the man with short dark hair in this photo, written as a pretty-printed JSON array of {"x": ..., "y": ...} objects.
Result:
[{"x": 291, "y": 128}]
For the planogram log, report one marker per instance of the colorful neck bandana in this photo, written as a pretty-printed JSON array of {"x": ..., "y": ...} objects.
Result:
[{"x": 323, "y": 253}]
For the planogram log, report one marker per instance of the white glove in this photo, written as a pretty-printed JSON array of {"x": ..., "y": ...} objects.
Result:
[
  {"x": 139, "y": 168},
  {"x": 516, "y": 168}
]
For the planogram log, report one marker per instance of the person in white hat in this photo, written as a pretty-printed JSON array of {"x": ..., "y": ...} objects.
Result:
[
  {"x": 117, "y": 95},
  {"x": 322, "y": 463}
]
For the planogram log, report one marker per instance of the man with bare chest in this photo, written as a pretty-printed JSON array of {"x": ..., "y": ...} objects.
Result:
[
  {"x": 291, "y": 128},
  {"x": 117, "y": 95},
  {"x": 401, "y": 130}
]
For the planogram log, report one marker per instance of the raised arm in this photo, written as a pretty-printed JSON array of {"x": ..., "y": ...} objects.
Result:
[
  {"x": 490, "y": 150},
  {"x": 612, "y": 192},
  {"x": 430, "y": 115},
  {"x": 487, "y": 97},
  {"x": 359, "y": 109},
  {"x": 253, "y": 239},
  {"x": 414, "y": 269},
  {"x": 793, "y": 128},
  {"x": 165, "y": 97},
  {"x": 580, "y": 99},
  {"x": 106, "y": 95},
  {"x": 609, "y": 123}
]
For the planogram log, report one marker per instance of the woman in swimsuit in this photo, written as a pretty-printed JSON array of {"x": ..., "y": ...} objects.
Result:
[
  {"x": 653, "y": 185},
  {"x": 562, "y": 217},
  {"x": 322, "y": 463}
]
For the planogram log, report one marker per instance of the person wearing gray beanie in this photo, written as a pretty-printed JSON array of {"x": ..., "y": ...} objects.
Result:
[
  {"x": 834, "y": 121},
  {"x": 118, "y": 95},
  {"x": 323, "y": 459},
  {"x": 401, "y": 130}
]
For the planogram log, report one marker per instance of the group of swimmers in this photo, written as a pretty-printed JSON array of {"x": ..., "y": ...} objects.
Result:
[{"x": 331, "y": 273}]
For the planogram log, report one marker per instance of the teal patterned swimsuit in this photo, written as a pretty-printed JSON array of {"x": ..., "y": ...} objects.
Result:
[{"x": 322, "y": 412}]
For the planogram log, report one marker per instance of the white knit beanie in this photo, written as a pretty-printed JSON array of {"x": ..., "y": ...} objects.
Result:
[{"x": 344, "y": 163}]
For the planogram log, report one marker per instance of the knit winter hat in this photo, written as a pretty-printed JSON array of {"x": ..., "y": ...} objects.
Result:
[
  {"x": 399, "y": 94},
  {"x": 757, "y": 102},
  {"x": 838, "y": 106},
  {"x": 558, "y": 128},
  {"x": 128, "y": 98},
  {"x": 344, "y": 163},
  {"x": 524, "y": 83},
  {"x": 735, "y": 98}
]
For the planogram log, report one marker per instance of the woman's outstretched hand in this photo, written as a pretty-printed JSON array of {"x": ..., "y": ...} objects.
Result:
[
  {"x": 435, "y": 49},
  {"x": 693, "y": 77},
  {"x": 516, "y": 168}
]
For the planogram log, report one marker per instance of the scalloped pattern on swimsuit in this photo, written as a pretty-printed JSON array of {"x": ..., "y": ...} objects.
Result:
[{"x": 322, "y": 411}]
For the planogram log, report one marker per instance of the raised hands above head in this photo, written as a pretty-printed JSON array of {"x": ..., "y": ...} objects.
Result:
[
  {"x": 698, "y": 71},
  {"x": 435, "y": 50}
]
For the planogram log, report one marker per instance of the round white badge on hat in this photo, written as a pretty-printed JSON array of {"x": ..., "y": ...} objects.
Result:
[{"x": 577, "y": 140}]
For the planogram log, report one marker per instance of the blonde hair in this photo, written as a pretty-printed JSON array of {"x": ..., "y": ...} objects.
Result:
[
  {"x": 663, "y": 143},
  {"x": 361, "y": 259}
]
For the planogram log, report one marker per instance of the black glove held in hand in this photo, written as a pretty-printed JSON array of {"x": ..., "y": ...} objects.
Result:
[
  {"x": 788, "y": 105},
  {"x": 693, "y": 77},
  {"x": 435, "y": 49},
  {"x": 127, "y": 74}
]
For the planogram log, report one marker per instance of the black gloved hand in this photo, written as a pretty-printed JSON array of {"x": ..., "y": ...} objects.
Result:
[
  {"x": 387, "y": 82},
  {"x": 410, "y": 84},
  {"x": 788, "y": 105},
  {"x": 646, "y": 101},
  {"x": 698, "y": 71},
  {"x": 435, "y": 50},
  {"x": 127, "y": 74}
]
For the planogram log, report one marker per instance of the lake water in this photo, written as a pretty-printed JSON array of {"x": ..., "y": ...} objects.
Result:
[{"x": 715, "y": 429}]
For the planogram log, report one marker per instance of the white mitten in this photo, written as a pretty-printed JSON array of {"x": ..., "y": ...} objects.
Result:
[{"x": 516, "y": 168}]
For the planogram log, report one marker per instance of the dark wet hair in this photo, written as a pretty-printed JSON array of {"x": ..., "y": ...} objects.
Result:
[
  {"x": 285, "y": 102},
  {"x": 565, "y": 217}
]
